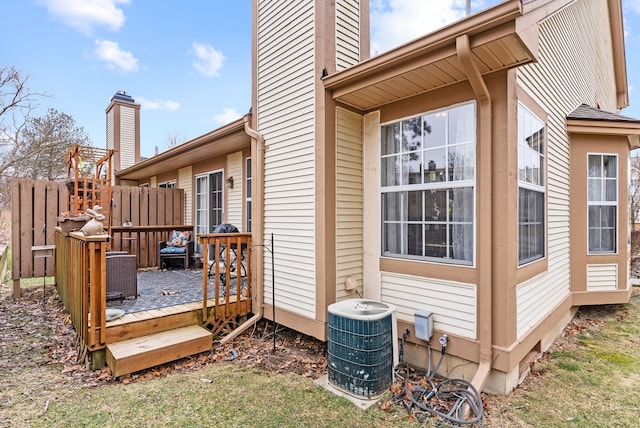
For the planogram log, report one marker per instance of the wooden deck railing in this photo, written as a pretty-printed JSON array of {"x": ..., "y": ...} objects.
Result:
[
  {"x": 230, "y": 273},
  {"x": 81, "y": 283},
  {"x": 142, "y": 241}
]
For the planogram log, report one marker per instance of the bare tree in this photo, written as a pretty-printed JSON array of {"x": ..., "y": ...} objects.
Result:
[
  {"x": 33, "y": 147},
  {"x": 47, "y": 140},
  {"x": 174, "y": 140},
  {"x": 634, "y": 206},
  {"x": 16, "y": 104}
]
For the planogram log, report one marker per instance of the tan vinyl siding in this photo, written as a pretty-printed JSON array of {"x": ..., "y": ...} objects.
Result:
[
  {"x": 127, "y": 137},
  {"x": 535, "y": 300},
  {"x": 185, "y": 182},
  {"x": 571, "y": 42},
  {"x": 453, "y": 304},
  {"x": 347, "y": 34},
  {"x": 286, "y": 118},
  {"x": 234, "y": 196},
  {"x": 349, "y": 209},
  {"x": 111, "y": 142},
  {"x": 602, "y": 277},
  {"x": 110, "y": 130}
]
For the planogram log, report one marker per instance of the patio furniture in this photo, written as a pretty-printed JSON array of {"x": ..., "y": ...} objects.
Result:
[
  {"x": 122, "y": 275},
  {"x": 229, "y": 228},
  {"x": 180, "y": 247}
]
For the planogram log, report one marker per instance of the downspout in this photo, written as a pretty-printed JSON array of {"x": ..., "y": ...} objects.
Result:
[
  {"x": 484, "y": 234},
  {"x": 258, "y": 230}
]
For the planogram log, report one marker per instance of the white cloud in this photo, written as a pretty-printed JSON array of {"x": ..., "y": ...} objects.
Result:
[
  {"x": 208, "y": 60},
  {"x": 84, "y": 15},
  {"x": 168, "y": 105},
  {"x": 394, "y": 22},
  {"x": 115, "y": 58},
  {"x": 228, "y": 115}
]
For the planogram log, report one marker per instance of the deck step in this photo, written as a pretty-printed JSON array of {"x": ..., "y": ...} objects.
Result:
[{"x": 148, "y": 351}]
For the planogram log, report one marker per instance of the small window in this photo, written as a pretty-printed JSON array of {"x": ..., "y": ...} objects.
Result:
[
  {"x": 168, "y": 184},
  {"x": 531, "y": 186},
  {"x": 602, "y": 196}
]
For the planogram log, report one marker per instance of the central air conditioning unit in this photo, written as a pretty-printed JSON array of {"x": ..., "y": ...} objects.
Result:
[{"x": 362, "y": 347}]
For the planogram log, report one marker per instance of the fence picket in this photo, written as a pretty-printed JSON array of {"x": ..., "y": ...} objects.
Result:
[{"x": 36, "y": 206}]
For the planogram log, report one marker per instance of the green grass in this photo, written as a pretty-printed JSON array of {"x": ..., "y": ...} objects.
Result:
[
  {"x": 593, "y": 382},
  {"x": 218, "y": 396}
]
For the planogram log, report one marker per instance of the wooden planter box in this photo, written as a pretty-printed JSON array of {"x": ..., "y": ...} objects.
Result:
[{"x": 70, "y": 224}]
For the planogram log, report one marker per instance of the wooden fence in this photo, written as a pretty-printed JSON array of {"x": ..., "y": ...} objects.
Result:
[{"x": 36, "y": 205}]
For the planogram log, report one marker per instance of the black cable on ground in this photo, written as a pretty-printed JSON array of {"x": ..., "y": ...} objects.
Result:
[{"x": 454, "y": 401}]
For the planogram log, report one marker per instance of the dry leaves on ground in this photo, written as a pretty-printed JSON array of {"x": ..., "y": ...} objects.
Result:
[{"x": 39, "y": 341}]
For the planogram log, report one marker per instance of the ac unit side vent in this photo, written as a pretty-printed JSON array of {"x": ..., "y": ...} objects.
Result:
[{"x": 360, "y": 347}]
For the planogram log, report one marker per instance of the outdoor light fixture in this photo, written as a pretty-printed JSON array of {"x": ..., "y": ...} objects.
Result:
[{"x": 230, "y": 183}]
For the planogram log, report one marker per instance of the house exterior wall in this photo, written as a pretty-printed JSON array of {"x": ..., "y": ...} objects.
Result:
[
  {"x": 349, "y": 203},
  {"x": 286, "y": 118},
  {"x": 588, "y": 281},
  {"x": 448, "y": 291},
  {"x": 574, "y": 67},
  {"x": 110, "y": 129},
  {"x": 233, "y": 166},
  {"x": 123, "y": 134},
  {"x": 347, "y": 33},
  {"x": 234, "y": 210},
  {"x": 530, "y": 303},
  {"x": 185, "y": 182},
  {"x": 127, "y": 136}
]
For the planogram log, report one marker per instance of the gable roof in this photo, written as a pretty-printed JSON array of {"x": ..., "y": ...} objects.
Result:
[
  {"x": 589, "y": 120},
  {"x": 586, "y": 112}
]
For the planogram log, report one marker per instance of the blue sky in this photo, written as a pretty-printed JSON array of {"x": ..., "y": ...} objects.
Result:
[{"x": 187, "y": 63}]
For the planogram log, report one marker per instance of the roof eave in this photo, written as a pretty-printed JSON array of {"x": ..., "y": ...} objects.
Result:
[
  {"x": 498, "y": 15},
  {"x": 380, "y": 80},
  {"x": 619, "y": 60},
  {"x": 182, "y": 155},
  {"x": 631, "y": 130}
]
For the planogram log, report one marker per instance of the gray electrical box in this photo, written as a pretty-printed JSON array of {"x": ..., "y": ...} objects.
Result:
[{"x": 424, "y": 324}]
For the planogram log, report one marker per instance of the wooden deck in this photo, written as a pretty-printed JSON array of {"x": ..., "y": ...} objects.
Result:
[
  {"x": 139, "y": 340},
  {"x": 144, "y": 339},
  {"x": 147, "y": 351},
  {"x": 142, "y": 323}
]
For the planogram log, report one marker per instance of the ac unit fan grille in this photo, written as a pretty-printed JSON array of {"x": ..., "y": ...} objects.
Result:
[{"x": 360, "y": 354}]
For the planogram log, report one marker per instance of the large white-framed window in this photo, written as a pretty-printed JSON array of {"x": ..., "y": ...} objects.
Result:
[
  {"x": 602, "y": 201},
  {"x": 247, "y": 193},
  {"x": 532, "y": 170},
  {"x": 428, "y": 184}
]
